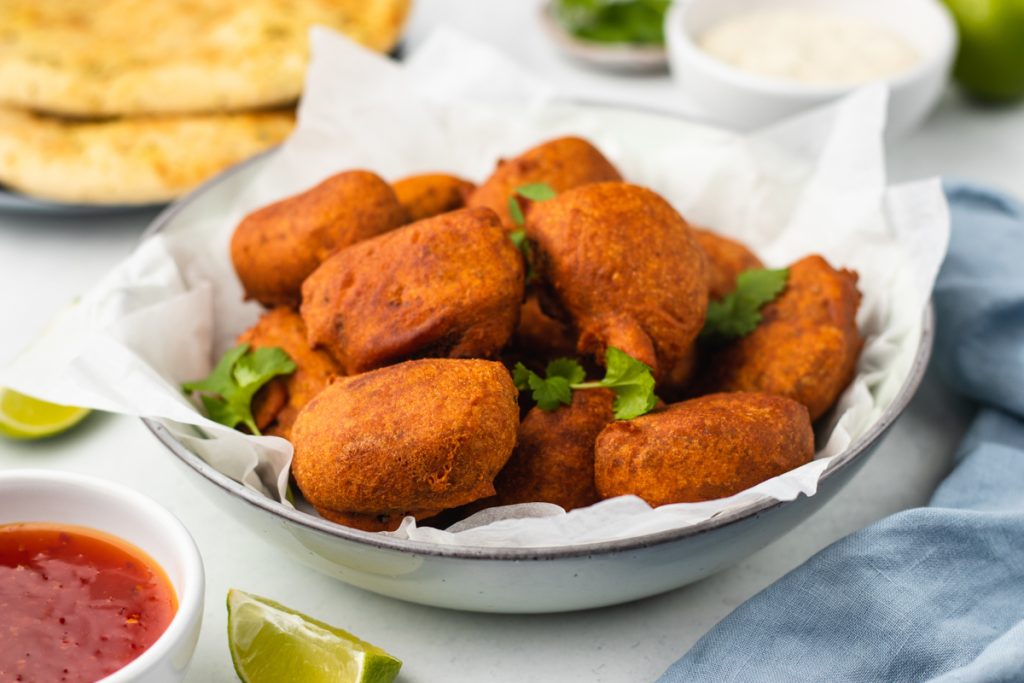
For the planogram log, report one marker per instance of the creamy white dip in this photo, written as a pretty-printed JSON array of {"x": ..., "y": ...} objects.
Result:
[{"x": 810, "y": 46}]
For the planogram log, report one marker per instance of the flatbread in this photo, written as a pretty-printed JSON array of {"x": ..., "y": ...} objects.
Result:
[
  {"x": 121, "y": 57},
  {"x": 128, "y": 161}
]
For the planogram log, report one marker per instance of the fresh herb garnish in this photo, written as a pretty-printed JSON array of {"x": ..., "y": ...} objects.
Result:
[
  {"x": 630, "y": 379},
  {"x": 638, "y": 22},
  {"x": 739, "y": 313},
  {"x": 228, "y": 390},
  {"x": 537, "y": 192}
]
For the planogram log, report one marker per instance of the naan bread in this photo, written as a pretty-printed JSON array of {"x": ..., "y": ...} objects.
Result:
[
  {"x": 128, "y": 161},
  {"x": 118, "y": 57}
]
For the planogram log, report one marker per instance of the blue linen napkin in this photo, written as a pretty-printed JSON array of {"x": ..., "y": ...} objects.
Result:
[{"x": 934, "y": 593}]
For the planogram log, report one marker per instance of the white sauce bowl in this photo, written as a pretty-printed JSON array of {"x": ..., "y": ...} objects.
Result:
[
  {"x": 744, "y": 100},
  {"x": 64, "y": 498}
]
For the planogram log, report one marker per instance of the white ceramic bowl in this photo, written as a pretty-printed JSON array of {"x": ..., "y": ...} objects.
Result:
[
  {"x": 739, "y": 99},
  {"x": 48, "y": 496},
  {"x": 520, "y": 580}
]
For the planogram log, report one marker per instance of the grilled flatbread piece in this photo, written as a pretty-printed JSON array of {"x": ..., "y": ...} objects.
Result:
[
  {"x": 128, "y": 161},
  {"x": 118, "y": 57}
]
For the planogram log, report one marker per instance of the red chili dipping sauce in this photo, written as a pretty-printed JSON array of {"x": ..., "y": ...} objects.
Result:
[{"x": 76, "y": 604}]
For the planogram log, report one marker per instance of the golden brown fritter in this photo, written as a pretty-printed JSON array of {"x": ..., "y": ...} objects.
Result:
[
  {"x": 414, "y": 438},
  {"x": 807, "y": 344},
  {"x": 277, "y": 404},
  {"x": 624, "y": 266},
  {"x": 562, "y": 163},
  {"x": 727, "y": 258},
  {"x": 430, "y": 194},
  {"x": 706, "y": 448},
  {"x": 540, "y": 337},
  {"x": 554, "y": 459},
  {"x": 448, "y": 286},
  {"x": 276, "y": 247}
]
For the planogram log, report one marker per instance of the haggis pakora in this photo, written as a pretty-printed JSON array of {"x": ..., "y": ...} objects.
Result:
[
  {"x": 448, "y": 286},
  {"x": 706, "y": 448},
  {"x": 278, "y": 403},
  {"x": 276, "y": 247},
  {"x": 430, "y": 194},
  {"x": 806, "y": 346},
  {"x": 624, "y": 267},
  {"x": 727, "y": 258},
  {"x": 563, "y": 163},
  {"x": 411, "y": 439},
  {"x": 554, "y": 459}
]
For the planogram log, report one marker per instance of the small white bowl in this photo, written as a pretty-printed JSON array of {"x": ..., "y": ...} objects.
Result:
[
  {"x": 743, "y": 100},
  {"x": 60, "y": 497}
]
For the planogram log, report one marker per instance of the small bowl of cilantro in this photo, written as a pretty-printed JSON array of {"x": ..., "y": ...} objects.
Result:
[{"x": 621, "y": 35}]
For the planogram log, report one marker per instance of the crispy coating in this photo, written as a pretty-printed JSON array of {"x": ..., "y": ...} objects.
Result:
[
  {"x": 807, "y": 344},
  {"x": 562, "y": 163},
  {"x": 541, "y": 337},
  {"x": 706, "y": 448},
  {"x": 448, "y": 286},
  {"x": 414, "y": 438},
  {"x": 727, "y": 258},
  {"x": 277, "y": 404},
  {"x": 430, "y": 194},
  {"x": 554, "y": 459},
  {"x": 624, "y": 266},
  {"x": 276, "y": 247}
]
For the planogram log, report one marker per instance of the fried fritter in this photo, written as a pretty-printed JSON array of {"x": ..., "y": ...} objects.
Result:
[
  {"x": 414, "y": 438},
  {"x": 806, "y": 346},
  {"x": 554, "y": 459},
  {"x": 625, "y": 268},
  {"x": 706, "y": 448},
  {"x": 539, "y": 336},
  {"x": 448, "y": 286},
  {"x": 276, "y": 247},
  {"x": 727, "y": 258},
  {"x": 562, "y": 163},
  {"x": 430, "y": 194},
  {"x": 277, "y": 403}
]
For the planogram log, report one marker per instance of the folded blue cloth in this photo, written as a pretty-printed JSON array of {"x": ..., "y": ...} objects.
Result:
[{"x": 934, "y": 593}]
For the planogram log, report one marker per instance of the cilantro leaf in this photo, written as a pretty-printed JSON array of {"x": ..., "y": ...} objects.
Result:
[
  {"x": 550, "y": 393},
  {"x": 632, "y": 382},
  {"x": 227, "y": 392},
  {"x": 537, "y": 192},
  {"x": 516, "y": 211},
  {"x": 521, "y": 376},
  {"x": 220, "y": 376},
  {"x": 739, "y": 313},
  {"x": 518, "y": 238},
  {"x": 567, "y": 368},
  {"x": 628, "y": 378}
]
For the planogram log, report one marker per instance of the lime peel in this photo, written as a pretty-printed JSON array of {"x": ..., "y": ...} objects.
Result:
[
  {"x": 270, "y": 642},
  {"x": 25, "y": 417}
]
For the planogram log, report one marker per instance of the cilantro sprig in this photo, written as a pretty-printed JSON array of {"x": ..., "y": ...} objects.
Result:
[
  {"x": 630, "y": 379},
  {"x": 536, "y": 192},
  {"x": 739, "y": 313},
  {"x": 228, "y": 390}
]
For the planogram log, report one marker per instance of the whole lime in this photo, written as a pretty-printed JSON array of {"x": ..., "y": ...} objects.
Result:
[{"x": 990, "y": 64}]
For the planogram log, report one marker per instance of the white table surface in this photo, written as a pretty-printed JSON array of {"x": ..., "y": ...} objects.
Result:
[{"x": 45, "y": 262}]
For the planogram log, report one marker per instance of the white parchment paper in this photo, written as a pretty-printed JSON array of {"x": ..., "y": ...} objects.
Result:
[{"x": 814, "y": 184}]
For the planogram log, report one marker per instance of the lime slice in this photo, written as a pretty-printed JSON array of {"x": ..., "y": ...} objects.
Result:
[
  {"x": 272, "y": 643},
  {"x": 24, "y": 417}
]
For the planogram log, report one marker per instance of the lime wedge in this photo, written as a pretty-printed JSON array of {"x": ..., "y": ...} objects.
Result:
[
  {"x": 271, "y": 643},
  {"x": 24, "y": 417}
]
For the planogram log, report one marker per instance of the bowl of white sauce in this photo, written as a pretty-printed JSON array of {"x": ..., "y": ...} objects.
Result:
[{"x": 748, "y": 63}]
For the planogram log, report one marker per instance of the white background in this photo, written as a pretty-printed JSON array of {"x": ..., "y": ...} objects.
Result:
[{"x": 44, "y": 263}]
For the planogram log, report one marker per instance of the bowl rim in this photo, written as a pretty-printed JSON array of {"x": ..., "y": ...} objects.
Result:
[
  {"x": 679, "y": 42},
  {"x": 118, "y": 496},
  {"x": 853, "y": 453}
]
